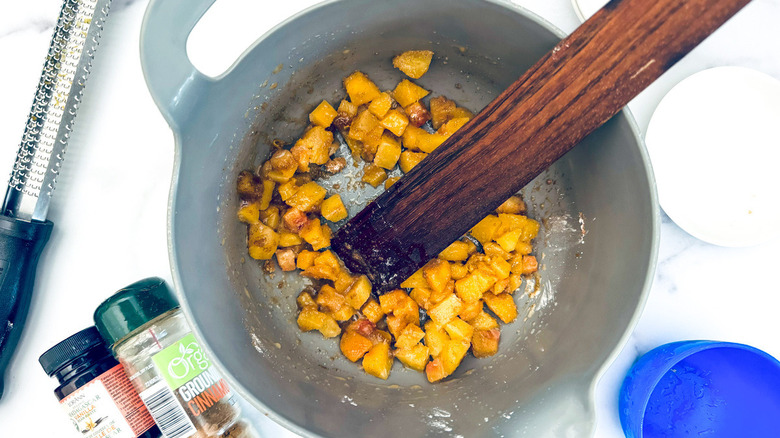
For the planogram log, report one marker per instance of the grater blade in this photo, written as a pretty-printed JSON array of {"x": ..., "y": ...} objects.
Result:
[{"x": 57, "y": 99}]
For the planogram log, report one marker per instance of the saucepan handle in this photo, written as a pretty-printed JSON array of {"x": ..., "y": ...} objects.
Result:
[{"x": 173, "y": 81}]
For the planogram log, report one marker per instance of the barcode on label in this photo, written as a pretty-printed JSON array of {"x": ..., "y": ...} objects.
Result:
[{"x": 169, "y": 415}]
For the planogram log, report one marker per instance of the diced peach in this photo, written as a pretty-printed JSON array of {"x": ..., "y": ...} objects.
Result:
[
  {"x": 438, "y": 297},
  {"x": 434, "y": 370},
  {"x": 415, "y": 280},
  {"x": 333, "y": 209},
  {"x": 343, "y": 281},
  {"x": 530, "y": 265},
  {"x": 515, "y": 281},
  {"x": 348, "y": 108},
  {"x": 457, "y": 251},
  {"x": 435, "y": 338},
  {"x": 308, "y": 197},
  {"x": 354, "y": 345},
  {"x": 484, "y": 230},
  {"x": 483, "y": 321},
  {"x": 249, "y": 213},
  {"x": 414, "y": 63},
  {"x": 513, "y": 205},
  {"x": 362, "y": 125},
  {"x": 306, "y": 259},
  {"x": 262, "y": 241},
  {"x": 429, "y": 142},
  {"x": 409, "y": 336},
  {"x": 441, "y": 109},
  {"x": 378, "y": 361},
  {"x": 294, "y": 219},
  {"x": 343, "y": 314},
  {"x": 471, "y": 287},
  {"x": 415, "y": 357},
  {"x": 470, "y": 310},
  {"x": 421, "y": 296},
  {"x": 304, "y": 299},
  {"x": 458, "y": 271},
  {"x": 374, "y": 175},
  {"x": 283, "y": 166},
  {"x": 503, "y": 305},
  {"x": 453, "y": 353},
  {"x": 508, "y": 241},
  {"x": 437, "y": 273},
  {"x": 417, "y": 114},
  {"x": 311, "y": 319},
  {"x": 395, "y": 121},
  {"x": 360, "y": 88},
  {"x": 314, "y": 234},
  {"x": 288, "y": 189},
  {"x": 390, "y": 181},
  {"x": 446, "y": 310},
  {"x": 320, "y": 272},
  {"x": 501, "y": 268},
  {"x": 459, "y": 329},
  {"x": 380, "y": 105},
  {"x": 248, "y": 185},
  {"x": 323, "y": 115},
  {"x": 484, "y": 343},
  {"x": 409, "y": 160},
  {"x": 411, "y": 137},
  {"x": 451, "y": 126},
  {"x": 286, "y": 259},
  {"x": 359, "y": 292},
  {"x": 388, "y": 152},
  {"x": 406, "y": 93},
  {"x": 372, "y": 311}
]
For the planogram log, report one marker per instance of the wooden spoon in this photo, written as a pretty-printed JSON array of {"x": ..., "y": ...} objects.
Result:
[{"x": 575, "y": 88}]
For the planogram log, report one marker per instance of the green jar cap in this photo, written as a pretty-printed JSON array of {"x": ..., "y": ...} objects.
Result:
[{"x": 132, "y": 307}]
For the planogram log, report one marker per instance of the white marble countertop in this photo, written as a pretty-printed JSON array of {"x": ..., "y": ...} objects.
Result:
[{"x": 110, "y": 204}]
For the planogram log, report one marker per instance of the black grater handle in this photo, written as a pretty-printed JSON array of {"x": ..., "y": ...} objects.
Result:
[{"x": 21, "y": 244}]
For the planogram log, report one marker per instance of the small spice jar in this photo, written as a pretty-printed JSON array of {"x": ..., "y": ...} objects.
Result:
[
  {"x": 94, "y": 390},
  {"x": 185, "y": 394}
]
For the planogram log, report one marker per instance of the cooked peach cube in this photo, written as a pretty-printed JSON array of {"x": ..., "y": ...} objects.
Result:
[
  {"x": 390, "y": 181},
  {"x": 515, "y": 281},
  {"x": 308, "y": 197},
  {"x": 359, "y": 292},
  {"x": 333, "y": 209},
  {"x": 388, "y": 153},
  {"x": 418, "y": 114},
  {"x": 407, "y": 93},
  {"x": 409, "y": 337},
  {"x": 354, "y": 345},
  {"x": 410, "y": 159},
  {"x": 435, "y": 338},
  {"x": 453, "y": 353},
  {"x": 459, "y": 329},
  {"x": 270, "y": 217},
  {"x": 461, "y": 112},
  {"x": 248, "y": 185},
  {"x": 294, "y": 219},
  {"x": 508, "y": 241},
  {"x": 500, "y": 267},
  {"x": 348, "y": 108},
  {"x": 362, "y": 125},
  {"x": 283, "y": 166},
  {"x": 429, "y": 142},
  {"x": 317, "y": 235},
  {"x": 437, "y": 273},
  {"x": 328, "y": 258},
  {"x": 451, "y": 126},
  {"x": 378, "y": 361},
  {"x": 470, "y": 310},
  {"x": 249, "y": 213},
  {"x": 415, "y": 357},
  {"x": 446, "y": 310},
  {"x": 288, "y": 189},
  {"x": 414, "y": 63},
  {"x": 434, "y": 370},
  {"x": 437, "y": 297},
  {"x": 306, "y": 259},
  {"x": 343, "y": 281},
  {"x": 483, "y": 321},
  {"x": 415, "y": 280},
  {"x": 381, "y": 105},
  {"x": 457, "y": 251},
  {"x": 421, "y": 296},
  {"x": 484, "y": 343},
  {"x": 374, "y": 175},
  {"x": 458, "y": 271},
  {"x": 317, "y": 140},
  {"x": 262, "y": 241},
  {"x": 503, "y": 305},
  {"x": 471, "y": 287},
  {"x": 371, "y": 142},
  {"x": 304, "y": 300},
  {"x": 312, "y": 319},
  {"x": 372, "y": 311},
  {"x": 289, "y": 239},
  {"x": 395, "y": 121},
  {"x": 285, "y": 258},
  {"x": 411, "y": 137},
  {"x": 513, "y": 205},
  {"x": 343, "y": 314},
  {"x": 323, "y": 115},
  {"x": 320, "y": 272},
  {"x": 530, "y": 265},
  {"x": 360, "y": 88},
  {"x": 484, "y": 230},
  {"x": 441, "y": 110}
]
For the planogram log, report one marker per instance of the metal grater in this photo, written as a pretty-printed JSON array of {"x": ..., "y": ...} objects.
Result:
[
  {"x": 24, "y": 229},
  {"x": 54, "y": 108}
]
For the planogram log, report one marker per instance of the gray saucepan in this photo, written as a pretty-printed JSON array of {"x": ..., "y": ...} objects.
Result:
[{"x": 597, "y": 206}]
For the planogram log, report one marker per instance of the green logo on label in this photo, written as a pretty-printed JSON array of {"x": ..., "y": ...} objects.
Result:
[{"x": 181, "y": 362}]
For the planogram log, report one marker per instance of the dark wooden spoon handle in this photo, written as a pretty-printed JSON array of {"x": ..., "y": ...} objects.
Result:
[{"x": 575, "y": 88}]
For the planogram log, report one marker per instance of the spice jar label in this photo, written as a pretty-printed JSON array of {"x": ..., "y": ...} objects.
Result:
[
  {"x": 189, "y": 389},
  {"x": 97, "y": 412}
]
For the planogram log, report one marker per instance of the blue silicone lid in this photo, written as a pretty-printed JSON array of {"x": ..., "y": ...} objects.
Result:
[{"x": 702, "y": 389}]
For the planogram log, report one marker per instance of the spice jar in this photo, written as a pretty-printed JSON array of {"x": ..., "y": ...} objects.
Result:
[
  {"x": 94, "y": 390},
  {"x": 185, "y": 394}
]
